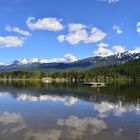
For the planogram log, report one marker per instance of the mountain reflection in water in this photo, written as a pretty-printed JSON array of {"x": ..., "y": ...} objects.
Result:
[{"x": 37, "y": 111}]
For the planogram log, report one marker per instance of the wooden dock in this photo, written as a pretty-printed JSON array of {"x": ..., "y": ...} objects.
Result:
[{"x": 95, "y": 84}]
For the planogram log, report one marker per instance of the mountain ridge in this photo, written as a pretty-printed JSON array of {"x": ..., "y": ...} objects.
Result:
[{"x": 60, "y": 64}]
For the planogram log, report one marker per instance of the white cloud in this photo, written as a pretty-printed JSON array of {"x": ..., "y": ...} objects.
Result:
[
  {"x": 136, "y": 50},
  {"x": 79, "y": 33},
  {"x": 117, "y": 29},
  {"x": 138, "y": 24},
  {"x": 118, "y": 49},
  {"x": 103, "y": 52},
  {"x": 67, "y": 59},
  {"x": 17, "y": 30},
  {"x": 76, "y": 37},
  {"x": 73, "y": 27},
  {"x": 109, "y": 1},
  {"x": 96, "y": 35},
  {"x": 61, "y": 38},
  {"x": 102, "y": 45},
  {"x": 138, "y": 27},
  {"x": 49, "y": 24},
  {"x": 113, "y": 1},
  {"x": 11, "y": 41},
  {"x": 70, "y": 57}
]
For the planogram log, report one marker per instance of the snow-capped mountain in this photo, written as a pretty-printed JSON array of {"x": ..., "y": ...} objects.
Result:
[
  {"x": 24, "y": 61},
  {"x": 1, "y": 64},
  {"x": 63, "y": 63},
  {"x": 134, "y": 51}
]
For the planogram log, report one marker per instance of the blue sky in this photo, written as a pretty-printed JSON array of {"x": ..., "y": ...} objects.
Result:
[{"x": 54, "y": 28}]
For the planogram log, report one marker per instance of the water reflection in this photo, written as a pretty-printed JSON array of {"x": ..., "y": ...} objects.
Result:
[
  {"x": 7, "y": 118},
  {"x": 67, "y": 100},
  {"x": 45, "y": 135},
  {"x": 77, "y": 127},
  {"x": 117, "y": 109},
  {"x": 12, "y": 123},
  {"x": 66, "y": 112}
]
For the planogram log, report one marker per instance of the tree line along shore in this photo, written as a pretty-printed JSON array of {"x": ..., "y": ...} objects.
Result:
[{"x": 127, "y": 71}]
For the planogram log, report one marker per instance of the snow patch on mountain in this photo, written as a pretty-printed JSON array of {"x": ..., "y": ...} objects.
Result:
[
  {"x": 25, "y": 61},
  {"x": 115, "y": 58},
  {"x": 68, "y": 58},
  {"x": 1, "y": 64},
  {"x": 135, "y": 51},
  {"x": 104, "y": 52}
]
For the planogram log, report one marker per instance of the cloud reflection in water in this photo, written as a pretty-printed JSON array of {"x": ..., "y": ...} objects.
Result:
[
  {"x": 77, "y": 127},
  {"x": 117, "y": 109}
]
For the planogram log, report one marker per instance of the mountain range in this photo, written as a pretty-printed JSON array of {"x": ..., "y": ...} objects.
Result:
[{"x": 62, "y": 64}]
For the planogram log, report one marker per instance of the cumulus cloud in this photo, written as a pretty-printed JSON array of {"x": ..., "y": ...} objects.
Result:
[
  {"x": 113, "y": 1},
  {"x": 138, "y": 27},
  {"x": 17, "y": 30},
  {"x": 117, "y": 29},
  {"x": 49, "y": 24},
  {"x": 103, "y": 51},
  {"x": 80, "y": 33},
  {"x": 109, "y": 1},
  {"x": 118, "y": 49},
  {"x": 70, "y": 57},
  {"x": 77, "y": 127},
  {"x": 73, "y": 27},
  {"x": 96, "y": 35},
  {"x": 11, "y": 41},
  {"x": 61, "y": 38},
  {"x": 136, "y": 50},
  {"x": 76, "y": 37},
  {"x": 102, "y": 45}
]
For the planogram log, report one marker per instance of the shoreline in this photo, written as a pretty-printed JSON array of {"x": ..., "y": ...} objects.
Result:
[
  {"x": 67, "y": 80},
  {"x": 21, "y": 79}
]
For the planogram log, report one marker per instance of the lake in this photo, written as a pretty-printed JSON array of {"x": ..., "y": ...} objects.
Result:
[{"x": 38, "y": 111}]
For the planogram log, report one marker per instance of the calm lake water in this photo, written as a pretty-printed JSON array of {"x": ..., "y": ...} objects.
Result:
[{"x": 37, "y": 111}]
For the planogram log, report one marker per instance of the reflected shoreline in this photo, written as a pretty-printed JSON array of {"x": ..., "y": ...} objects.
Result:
[{"x": 38, "y": 111}]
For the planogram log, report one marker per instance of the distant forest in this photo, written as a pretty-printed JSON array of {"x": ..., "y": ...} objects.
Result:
[{"x": 127, "y": 71}]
